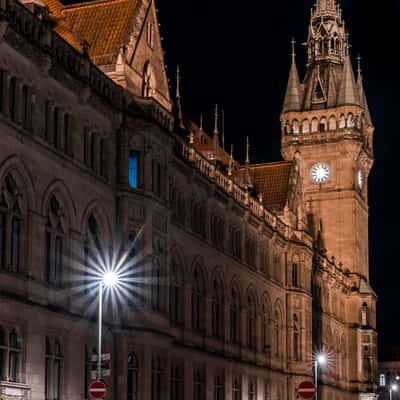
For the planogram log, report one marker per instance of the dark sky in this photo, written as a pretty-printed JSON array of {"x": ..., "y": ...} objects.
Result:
[{"x": 237, "y": 54}]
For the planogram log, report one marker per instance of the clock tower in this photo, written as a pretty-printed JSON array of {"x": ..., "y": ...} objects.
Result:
[{"x": 326, "y": 122}]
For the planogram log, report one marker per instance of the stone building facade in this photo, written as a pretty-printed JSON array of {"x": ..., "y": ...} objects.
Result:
[{"x": 232, "y": 276}]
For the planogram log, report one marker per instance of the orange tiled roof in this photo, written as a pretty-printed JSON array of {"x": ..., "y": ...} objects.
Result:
[
  {"x": 272, "y": 181},
  {"x": 104, "y": 24}
]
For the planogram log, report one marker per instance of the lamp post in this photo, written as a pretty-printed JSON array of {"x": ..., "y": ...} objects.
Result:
[
  {"x": 392, "y": 388},
  {"x": 321, "y": 360},
  {"x": 109, "y": 279}
]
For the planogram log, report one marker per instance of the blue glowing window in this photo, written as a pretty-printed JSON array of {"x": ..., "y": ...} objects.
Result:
[{"x": 134, "y": 169}]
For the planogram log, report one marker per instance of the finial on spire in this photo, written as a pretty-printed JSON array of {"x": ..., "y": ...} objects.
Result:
[
  {"x": 223, "y": 128},
  {"x": 247, "y": 151},
  {"x": 178, "y": 94},
  {"x": 216, "y": 119},
  {"x": 293, "y": 50},
  {"x": 359, "y": 72},
  {"x": 230, "y": 162},
  {"x": 179, "y": 125}
]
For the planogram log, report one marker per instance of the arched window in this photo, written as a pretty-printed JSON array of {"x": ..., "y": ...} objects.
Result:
[
  {"x": 277, "y": 333},
  {"x": 156, "y": 378},
  {"x": 236, "y": 388},
  {"x": 133, "y": 169},
  {"x": 13, "y": 101},
  {"x": 14, "y": 353},
  {"x": 53, "y": 369},
  {"x": 295, "y": 275},
  {"x": 91, "y": 251},
  {"x": 133, "y": 371},
  {"x": 217, "y": 311},
  {"x": 181, "y": 211},
  {"x": 350, "y": 121},
  {"x": 54, "y": 243},
  {"x": 199, "y": 381},
  {"x": 176, "y": 288},
  {"x": 296, "y": 127},
  {"x": 177, "y": 381},
  {"x": 296, "y": 342},
  {"x": 56, "y": 127},
  {"x": 323, "y": 124},
  {"x": 342, "y": 122},
  {"x": 198, "y": 301},
  {"x": 265, "y": 328},
  {"x": 314, "y": 125},
  {"x": 66, "y": 135},
  {"x": 25, "y": 107},
  {"x": 251, "y": 322},
  {"x": 305, "y": 126},
  {"x": 219, "y": 392},
  {"x": 252, "y": 390},
  {"x": 93, "y": 149},
  {"x": 10, "y": 224},
  {"x": 217, "y": 231},
  {"x": 332, "y": 123},
  {"x": 364, "y": 314},
  {"x": 287, "y": 128},
  {"x": 234, "y": 320},
  {"x": 148, "y": 85}
]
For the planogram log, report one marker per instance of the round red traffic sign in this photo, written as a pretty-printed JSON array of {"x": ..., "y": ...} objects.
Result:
[
  {"x": 97, "y": 390},
  {"x": 306, "y": 390}
]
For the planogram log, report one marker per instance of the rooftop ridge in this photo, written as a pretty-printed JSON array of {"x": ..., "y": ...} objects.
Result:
[{"x": 91, "y": 3}]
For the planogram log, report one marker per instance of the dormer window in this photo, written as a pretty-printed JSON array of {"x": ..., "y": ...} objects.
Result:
[{"x": 150, "y": 35}]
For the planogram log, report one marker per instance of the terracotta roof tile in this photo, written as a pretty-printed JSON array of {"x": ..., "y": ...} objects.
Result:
[
  {"x": 105, "y": 25},
  {"x": 272, "y": 181}
]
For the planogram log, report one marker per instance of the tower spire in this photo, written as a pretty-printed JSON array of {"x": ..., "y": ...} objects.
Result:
[
  {"x": 216, "y": 133},
  {"x": 293, "y": 96},
  {"x": 246, "y": 175},
  {"x": 348, "y": 89},
  {"x": 223, "y": 128},
  {"x": 179, "y": 125},
  {"x": 230, "y": 162}
]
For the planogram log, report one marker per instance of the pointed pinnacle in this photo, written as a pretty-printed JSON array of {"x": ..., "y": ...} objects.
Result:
[
  {"x": 359, "y": 71},
  {"x": 293, "y": 50},
  {"x": 178, "y": 94},
  {"x": 216, "y": 119},
  {"x": 201, "y": 122},
  {"x": 223, "y": 128},
  {"x": 247, "y": 151}
]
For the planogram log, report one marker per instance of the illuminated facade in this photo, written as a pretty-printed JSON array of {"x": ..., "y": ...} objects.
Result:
[{"x": 237, "y": 273}]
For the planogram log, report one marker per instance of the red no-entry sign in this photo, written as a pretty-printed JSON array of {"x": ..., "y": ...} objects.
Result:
[
  {"x": 306, "y": 390},
  {"x": 97, "y": 390}
]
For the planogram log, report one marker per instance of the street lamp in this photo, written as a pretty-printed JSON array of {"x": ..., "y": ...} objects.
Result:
[
  {"x": 109, "y": 279},
  {"x": 392, "y": 388},
  {"x": 321, "y": 360}
]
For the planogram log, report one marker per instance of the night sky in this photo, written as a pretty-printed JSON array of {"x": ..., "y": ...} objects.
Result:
[{"x": 237, "y": 54}]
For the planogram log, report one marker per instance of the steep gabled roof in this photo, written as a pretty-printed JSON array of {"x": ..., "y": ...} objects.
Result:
[
  {"x": 104, "y": 24},
  {"x": 272, "y": 181}
]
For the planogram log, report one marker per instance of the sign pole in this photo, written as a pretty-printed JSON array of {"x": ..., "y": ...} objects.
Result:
[
  {"x": 100, "y": 323},
  {"x": 316, "y": 379}
]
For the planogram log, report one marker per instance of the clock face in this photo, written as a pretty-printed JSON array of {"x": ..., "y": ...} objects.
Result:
[
  {"x": 320, "y": 173},
  {"x": 360, "y": 179}
]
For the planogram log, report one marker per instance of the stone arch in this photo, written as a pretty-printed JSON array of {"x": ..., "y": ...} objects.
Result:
[
  {"x": 235, "y": 284},
  {"x": 342, "y": 122},
  {"x": 332, "y": 123},
  {"x": 218, "y": 274},
  {"x": 295, "y": 127},
  {"x": 350, "y": 121},
  {"x": 14, "y": 166},
  {"x": 198, "y": 265},
  {"x": 266, "y": 301},
  {"x": 251, "y": 292},
  {"x": 323, "y": 124},
  {"x": 58, "y": 189},
  {"x": 314, "y": 125},
  {"x": 177, "y": 254},
  {"x": 305, "y": 126},
  {"x": 97, "y": 210}
]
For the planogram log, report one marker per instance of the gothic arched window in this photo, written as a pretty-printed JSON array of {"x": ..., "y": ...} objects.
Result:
[
  {"x": 265, "y": 328},
  {"x": 296, "y": 341},
  {"x": 176, "y": 295},
  {"x": 332, "y": 123},
  {"x": 10, "y": 224},
  {"x": 234, "y": 317},
  {"x": 295, "y": 274},
  {"x": 198, "y": 306},
  {"x": 314, "y": 125},
  {"x": 133, "y": 372},
  {"x": 54, "y": 243},
  {"x": 305, "y": 126},
  {"x": 217, "y": 311},
  {"x": 251, "y": 321},
  {"x": 13, "y": 99}
]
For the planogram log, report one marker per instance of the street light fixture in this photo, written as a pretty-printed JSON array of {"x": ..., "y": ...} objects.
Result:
[
  {"x": 109, "y": 279},
  {"x": 392, "y": 388},
  {"x": 320, "y": 359}
]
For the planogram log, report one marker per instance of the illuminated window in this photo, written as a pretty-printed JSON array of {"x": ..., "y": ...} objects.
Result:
[
  {"x": 134, "y": 169},
  {"x": 382, "y": 380}
]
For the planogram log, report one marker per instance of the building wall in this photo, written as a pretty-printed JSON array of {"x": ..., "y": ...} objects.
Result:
[{"x": 55, "y": 319}]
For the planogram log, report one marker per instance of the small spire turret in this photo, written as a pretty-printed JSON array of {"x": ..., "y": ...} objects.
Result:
[
  {"x": 179, "y": 125},
  {"x": 216, "y": 132}
]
